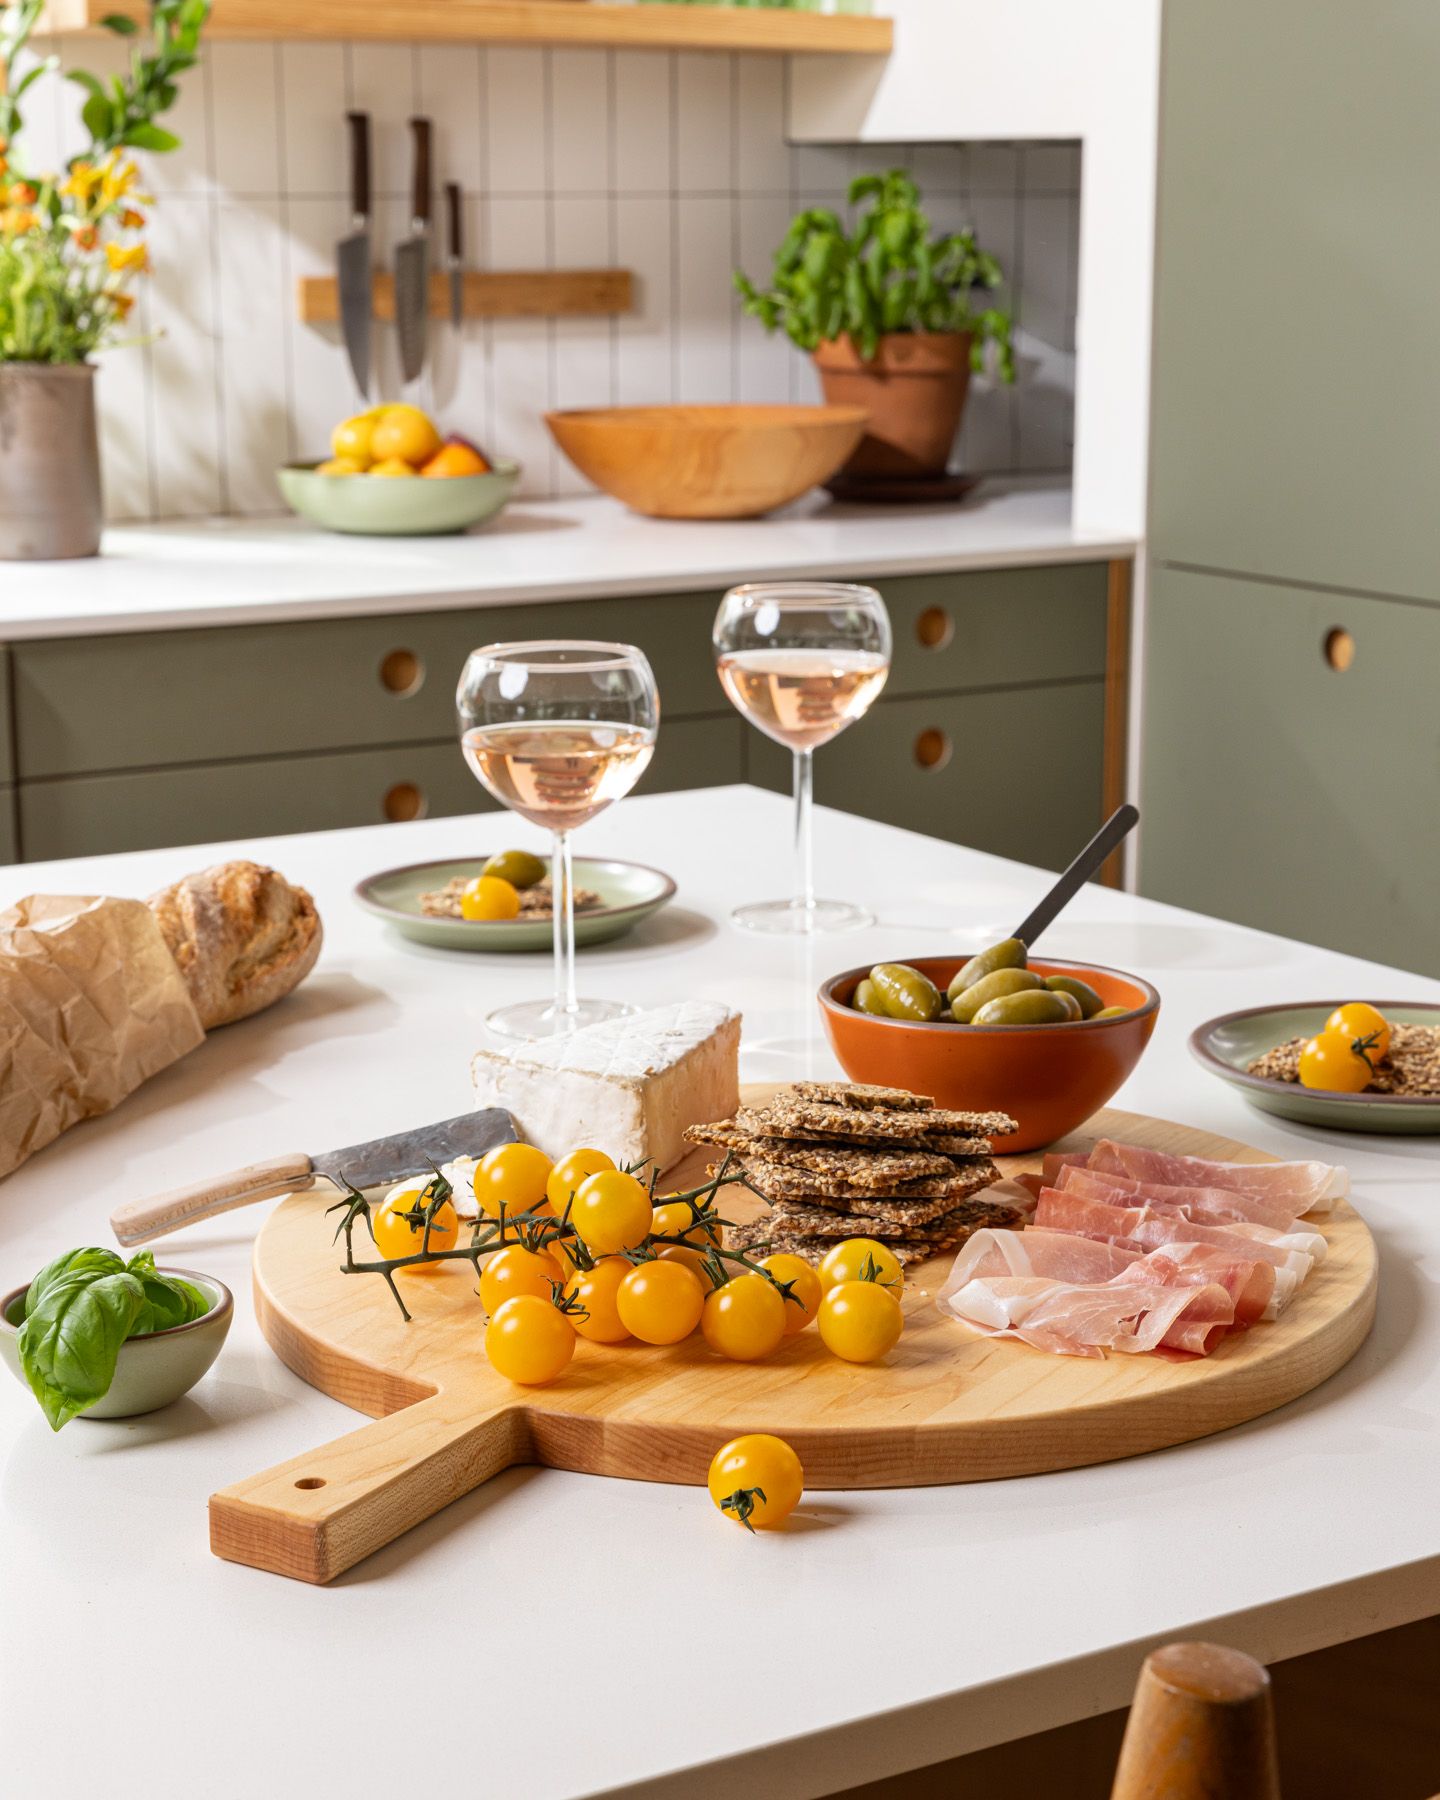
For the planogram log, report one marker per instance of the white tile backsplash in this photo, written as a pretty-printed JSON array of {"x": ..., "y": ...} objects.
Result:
[{"x": 671, "y": 165}]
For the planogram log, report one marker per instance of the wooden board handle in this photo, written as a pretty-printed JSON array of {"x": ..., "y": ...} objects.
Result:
[
  {"x": 144, "y": 1220},
  {"x": 317, "y": 1515}
]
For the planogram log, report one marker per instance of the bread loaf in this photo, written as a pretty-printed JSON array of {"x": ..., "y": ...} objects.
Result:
[{"x": 242, "y": 936}]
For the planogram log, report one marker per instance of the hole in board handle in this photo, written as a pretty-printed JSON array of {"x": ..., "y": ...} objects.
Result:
[
  {"x": 402, "y": 673},
  {"x": 933, "y": 749},
  {"x": 1339, "y": 649},
  {"x": 311, "y": 1481},
  {"x": 404, "y": 802},
  {"x": 934, "y": 628}
]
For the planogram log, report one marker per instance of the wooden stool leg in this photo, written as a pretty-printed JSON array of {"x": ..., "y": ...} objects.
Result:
[{"x": 1201, "y": 1728}]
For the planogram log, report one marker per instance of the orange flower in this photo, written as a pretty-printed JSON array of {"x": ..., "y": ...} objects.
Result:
[
  {"x": 123, "y": 258},
  {"x": 122, "y": 304},
  {"x": 15, "y": 220},
  {"x": 24, "y": 194},
  {"x": 86, "y": 237},
  {"x": 132, "y": 220}
]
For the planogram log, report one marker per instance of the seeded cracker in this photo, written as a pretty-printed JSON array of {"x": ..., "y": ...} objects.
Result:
[
  {"x": 944, "y": 1235},
  {"x": 776, "y": 1181},
  {"x": 928, "y": 1130},
  {"x": 857, "y": 1094},
  {"x": 856, "y": 1167}
]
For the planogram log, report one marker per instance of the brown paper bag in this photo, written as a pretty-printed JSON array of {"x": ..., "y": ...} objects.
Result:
[{"x": 91, "y": 1005}]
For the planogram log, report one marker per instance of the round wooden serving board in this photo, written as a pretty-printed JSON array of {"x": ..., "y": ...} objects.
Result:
[{"x": 943, "y": 1406}]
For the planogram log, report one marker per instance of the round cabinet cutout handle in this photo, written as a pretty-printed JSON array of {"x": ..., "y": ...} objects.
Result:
[
  {"x": 402, "y": 673},
  {"x": 404, "y": 802},
  {"x": 934, "y": 628},
  {"x": 1339, "y": 649},
  {"x": 933, "y": 749}
]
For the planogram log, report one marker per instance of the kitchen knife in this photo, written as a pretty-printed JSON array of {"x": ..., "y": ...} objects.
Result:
[
  {"x": 371, "y": 1165},
  {"x": 455, "y": 253},
  {"x": 412, "y": 261},
  {"x": 352, "y": 257}
]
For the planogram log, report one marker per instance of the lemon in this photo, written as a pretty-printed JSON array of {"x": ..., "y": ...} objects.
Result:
[
  {"x": 392, "y": 465},
  {"x": 350, "y": 440},
  {"x": 340, "y": 465},
  {"x": 403, "y": 431}
]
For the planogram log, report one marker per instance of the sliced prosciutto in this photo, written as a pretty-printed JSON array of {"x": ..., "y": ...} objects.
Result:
[
  {"x": 1250, "y": 1285},
  {"x": 1307, "y": 1186},
  {"x": 1150, "y": 1228},
  {"x": 1209, "y": 1206},
  {"x": 1074, "y": 1319}
]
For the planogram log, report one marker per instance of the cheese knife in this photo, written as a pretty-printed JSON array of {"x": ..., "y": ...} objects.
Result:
[
  {"x": 412, "y": 260},
  {"x": 376, "y": 1164},
  {"x": 352, "y": 257},
  {"x": 455, "y": 253}
]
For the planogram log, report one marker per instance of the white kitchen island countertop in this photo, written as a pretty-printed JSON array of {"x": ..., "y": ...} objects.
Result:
[
  {"x": 557, "y": 1635},
  {"x": 190, "y": 572}
]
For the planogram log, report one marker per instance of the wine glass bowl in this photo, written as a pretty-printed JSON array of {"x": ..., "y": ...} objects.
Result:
[
  {"x": 802, "y": 660},
  {"x": 557, "y": 731}
]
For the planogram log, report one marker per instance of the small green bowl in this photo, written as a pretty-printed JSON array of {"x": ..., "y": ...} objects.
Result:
[
  {"x": 150, "y": 1371},
  {"x": 396, "y": 506},
  {"x": 1226, "y": 1046}
]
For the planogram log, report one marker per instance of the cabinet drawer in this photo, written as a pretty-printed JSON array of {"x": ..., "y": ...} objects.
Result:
[
  {"x": 148, "y": 699},
  {"x": 88, "y": 815},
  {"x": 1013, "y": 772},
  {"x": 996, "y": 628},
  {"x": 1285, "y": 794},
  {"x": 9, "y": 836}
]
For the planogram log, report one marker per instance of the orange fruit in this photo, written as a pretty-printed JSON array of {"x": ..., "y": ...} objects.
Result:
[
  {"x": 403, "y": 431},
  {"x": 350, "y": 441},
  {"x": 391, "y": 465},
  {"x": 456, "y": 457}
]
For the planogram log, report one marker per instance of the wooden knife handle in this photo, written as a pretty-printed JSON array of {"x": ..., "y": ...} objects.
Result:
[
  {"x": 144, "y": 1220},
  {"x": 421, "y": 203},
  {"x": 359, "y": 164},
  {"x": 453, "y": 228},
  {"x": 317, "y": 1515}
]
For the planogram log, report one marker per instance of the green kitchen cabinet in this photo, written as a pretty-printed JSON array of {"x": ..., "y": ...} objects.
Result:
[
  {"x": 9, "y": 833},
  {"x": 1282, "y": 790},
  {"x": 1015, "y": 772},
  {"x": 7, "y": 721},
  {"x": 1296, "y": 382}
]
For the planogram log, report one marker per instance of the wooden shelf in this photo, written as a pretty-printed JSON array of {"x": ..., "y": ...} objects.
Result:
[
  {"x": 507, "y": 294},
  {"x": 516, "y": 22}
]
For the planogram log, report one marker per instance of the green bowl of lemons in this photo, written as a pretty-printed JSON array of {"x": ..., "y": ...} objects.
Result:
[{"x": 391, "y": 474}]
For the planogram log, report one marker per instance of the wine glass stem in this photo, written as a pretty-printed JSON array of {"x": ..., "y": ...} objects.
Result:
[
  {"x": 804, "y": 833},
  {"x": 562, "y": 900}
]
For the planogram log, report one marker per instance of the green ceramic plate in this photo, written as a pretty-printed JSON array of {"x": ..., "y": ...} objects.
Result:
[
  {"x": 385, "y": 506},
  {"x": 1227, "y": 1045},
  {"x": 629, "y": 892}
]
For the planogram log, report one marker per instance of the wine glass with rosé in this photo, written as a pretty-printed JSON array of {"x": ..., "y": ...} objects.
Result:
[
  {"x": 802, "y": 660},
  {"x": 557, "y": 731}
]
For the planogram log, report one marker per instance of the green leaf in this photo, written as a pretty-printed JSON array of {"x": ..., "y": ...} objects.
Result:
[
  {"x": 69, "y": 1343},
  {"x": 169, "y": 1300},
  {"x": 120, "y": 25},
  {"x": 150, "y": 137},
  {"x": 96, "y": 116},
  {"x": 92, "y": 1261}
]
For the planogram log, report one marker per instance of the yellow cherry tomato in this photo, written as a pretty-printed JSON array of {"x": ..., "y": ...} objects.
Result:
[
  {"x": 859, "y": 1321},
  {"x": 756, "y": 1480},
  {"x": 676, "y": 1219},
  {"x": 1332, "y": 1063},
  {"x": 1359, "y": 1021},
  {"x": 515, "y": 1176},
  {"x": 399, "y": 1235},
  {"x": 488, "y": 897},
  {"x": 611, "y": 1211},
  {"x": 570, "y": 1171},
  {"x": 686, "y": 1258},
  {"x": 862, "y": 1259},
  {"x": 596, "y": 1291},
  {"x": 745, "y": 1319},
  {"x": 803, "y": 1282},
  {"x": 516, "y": 1270},
  {"x": 529, "y": 1340},
  {"x": 660, "y": 1302}
]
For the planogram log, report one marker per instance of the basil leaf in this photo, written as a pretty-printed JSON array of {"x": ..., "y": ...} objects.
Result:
[
  {"x": 169, "y": 1300},
  {"x": 92, "y": 1261},
  {"x": 69, "y": 1343},
  {"x": 199, "y": 1301}
]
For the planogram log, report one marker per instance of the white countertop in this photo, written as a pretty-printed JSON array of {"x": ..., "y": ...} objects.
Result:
[
  {"x": 564, "y": 1635},
  {"x": 244, "y": 571}
]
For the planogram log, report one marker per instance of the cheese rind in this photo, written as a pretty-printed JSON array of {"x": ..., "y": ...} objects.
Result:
[{"x": 628, "y": 1087}]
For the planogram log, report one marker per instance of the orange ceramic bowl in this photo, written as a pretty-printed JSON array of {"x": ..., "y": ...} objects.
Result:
[{"x": 1050, "y": 1078}]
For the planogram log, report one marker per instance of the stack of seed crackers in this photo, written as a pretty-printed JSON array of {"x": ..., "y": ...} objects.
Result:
[{"x": 837, "y": 1161}]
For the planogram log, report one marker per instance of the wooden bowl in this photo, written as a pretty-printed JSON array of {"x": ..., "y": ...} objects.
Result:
[
  {"x": 1049, "y": 1078},
  {"x": 708, "y": 462}
]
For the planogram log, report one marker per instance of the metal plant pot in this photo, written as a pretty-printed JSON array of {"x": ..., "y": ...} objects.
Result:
[{"x": 49, "y": 461}]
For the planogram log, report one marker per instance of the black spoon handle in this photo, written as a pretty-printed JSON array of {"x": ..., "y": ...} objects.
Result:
[{"x": 1112, "y": 833}]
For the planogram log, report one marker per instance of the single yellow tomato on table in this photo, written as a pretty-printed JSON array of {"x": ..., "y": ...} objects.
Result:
[
  {"x": 398, "y": 1227},
  {"x": 611, "y": 1211},
  {"x": 802, "y": 1300},
  {"x": 529, "y": 1340},
  {"x": 756, "y": 1480},
  {"x": 660, "y": 1302},
  {"x": 745, "y": 1319},
  {"x": 488, "y": 897},
  {"x": 860, "y": 1321},
  {"x": 862, "y": 1259}
]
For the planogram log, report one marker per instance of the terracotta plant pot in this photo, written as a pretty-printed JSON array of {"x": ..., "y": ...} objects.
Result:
[
  {"x": 49, "y": 461},
  {"x": 914, "y": 391}
]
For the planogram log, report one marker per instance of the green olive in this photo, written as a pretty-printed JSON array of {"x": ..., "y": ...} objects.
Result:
[
  {"x": 905, "y": 993},
  {"x": 1090, "y": 1001},
  {"x": 1034, "y": 1006},
  {"x": 1112, "y": 1012},
  {"x": 1008, "y": 955},
  {"x": 991, "y": 987},
  {"x": 866, "y": 1000},
  {"x": 518, "y": 867},
  {"x": 1072, "y": 1005}
]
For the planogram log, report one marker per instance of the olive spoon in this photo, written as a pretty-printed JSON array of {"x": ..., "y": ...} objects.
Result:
[{"x": 1108, "y": 838}]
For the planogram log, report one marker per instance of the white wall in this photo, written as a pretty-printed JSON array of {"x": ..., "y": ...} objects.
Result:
[{"x": 675, "y": 166}]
